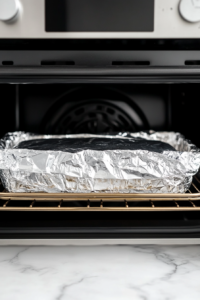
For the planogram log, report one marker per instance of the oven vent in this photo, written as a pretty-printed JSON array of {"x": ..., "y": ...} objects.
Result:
[
  {"x": 131, "y": 63},
  {"x": 192, "y": 62},
  {"x": 7, "y": 63},
  {"x": 57, "y": 63},
  {"x": 89, "y": 115}
]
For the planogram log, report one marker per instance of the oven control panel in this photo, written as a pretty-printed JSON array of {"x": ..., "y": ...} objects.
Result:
[{"x": 98, "y": 19}]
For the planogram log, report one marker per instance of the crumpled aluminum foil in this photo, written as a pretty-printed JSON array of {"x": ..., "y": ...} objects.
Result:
[{"x": 123, "y": 171}]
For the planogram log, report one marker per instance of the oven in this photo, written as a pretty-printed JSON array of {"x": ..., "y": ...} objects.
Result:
[{"x": 74, "y": 66}]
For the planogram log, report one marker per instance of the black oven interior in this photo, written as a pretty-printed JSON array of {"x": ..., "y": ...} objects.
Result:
[
  {"x": 102, "y": 108},
  {"x": 97, "y": 108}
]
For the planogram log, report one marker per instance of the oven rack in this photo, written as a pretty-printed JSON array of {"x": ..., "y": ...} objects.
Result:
[
  {"x": 190, "y": 201},
  {"x": 56, "y": 205}
]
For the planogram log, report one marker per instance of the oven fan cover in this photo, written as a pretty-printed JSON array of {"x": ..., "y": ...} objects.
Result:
[{"x": 93, "y": 115}]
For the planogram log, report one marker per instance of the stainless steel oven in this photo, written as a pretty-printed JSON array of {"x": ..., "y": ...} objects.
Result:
[{"x": 74, "y": 66}]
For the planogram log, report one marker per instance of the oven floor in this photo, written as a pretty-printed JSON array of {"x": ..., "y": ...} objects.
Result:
[{"x": 100, "y": 272}]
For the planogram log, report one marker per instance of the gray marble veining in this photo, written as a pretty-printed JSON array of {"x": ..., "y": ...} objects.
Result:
[{"x": 100, "y": 272}]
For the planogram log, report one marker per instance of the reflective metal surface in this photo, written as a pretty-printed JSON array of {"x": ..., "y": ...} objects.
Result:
[{"x": 151, "y": 170}]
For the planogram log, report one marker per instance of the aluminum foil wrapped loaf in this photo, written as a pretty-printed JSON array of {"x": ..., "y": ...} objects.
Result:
[{"x": 139, "y": 162}]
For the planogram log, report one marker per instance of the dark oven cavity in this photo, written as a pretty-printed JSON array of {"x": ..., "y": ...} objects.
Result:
[{"x": 101, "y": 108}]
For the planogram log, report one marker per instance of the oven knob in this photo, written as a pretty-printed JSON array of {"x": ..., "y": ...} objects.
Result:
[
  {"x": 9, "y": 9},
  {"x": 190, "y": 10}
]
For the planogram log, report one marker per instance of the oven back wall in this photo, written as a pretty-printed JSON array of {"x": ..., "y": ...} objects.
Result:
[
  {"x": 44, "y": 108},
  {"x": 93, "y": 108}
]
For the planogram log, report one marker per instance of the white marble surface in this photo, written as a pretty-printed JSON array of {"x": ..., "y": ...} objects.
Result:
[{"x": 101, "y": 272}]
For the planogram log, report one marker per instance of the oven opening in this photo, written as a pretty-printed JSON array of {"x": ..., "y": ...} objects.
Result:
[{"x": 100, "y": 108}]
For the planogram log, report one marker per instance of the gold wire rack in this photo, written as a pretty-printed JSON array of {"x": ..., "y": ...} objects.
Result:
[{"x": 190, "y": 201}]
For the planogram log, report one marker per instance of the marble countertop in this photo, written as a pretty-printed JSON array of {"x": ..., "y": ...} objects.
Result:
[{"x": 100, "y": 272}]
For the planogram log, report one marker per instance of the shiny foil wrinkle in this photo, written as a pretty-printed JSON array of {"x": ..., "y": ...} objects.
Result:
[{"x": 145, "y": 170}]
